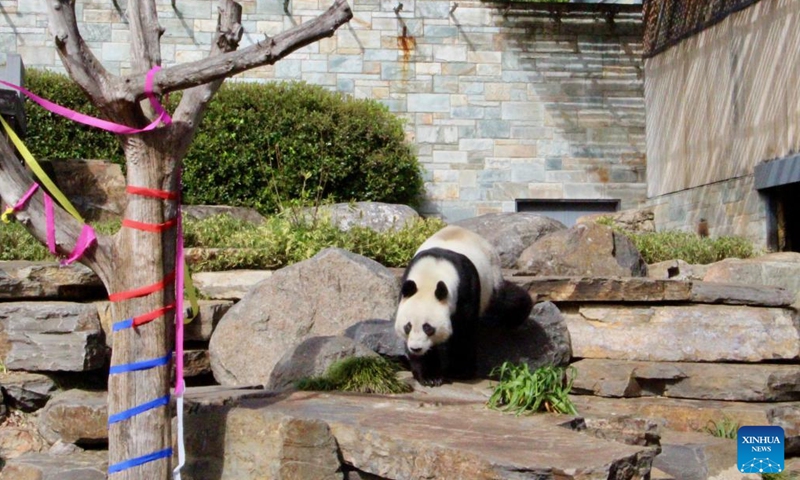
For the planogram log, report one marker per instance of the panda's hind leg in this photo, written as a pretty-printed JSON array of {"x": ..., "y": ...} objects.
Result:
[{"x": 510, "y": 306}]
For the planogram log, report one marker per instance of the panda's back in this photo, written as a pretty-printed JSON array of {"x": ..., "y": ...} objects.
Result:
[{"x": 477, "y": 249}]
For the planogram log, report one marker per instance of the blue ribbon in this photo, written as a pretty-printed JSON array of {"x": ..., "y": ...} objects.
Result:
[
  {"x": 122, "y": 325},
  {"x": 135, "y": 462},
  {"x": 143, "y": 365},
  {"x": 131, "y": 412}
]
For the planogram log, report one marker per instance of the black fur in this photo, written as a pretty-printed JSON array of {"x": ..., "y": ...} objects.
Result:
[
  {"x": 509, "y": 306},
  {"x": 409, "y": 288},
  {"x": 456, "y": 357}
]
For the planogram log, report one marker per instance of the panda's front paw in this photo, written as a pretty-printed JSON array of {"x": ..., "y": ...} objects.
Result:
[{"x": 431, "y": 382}]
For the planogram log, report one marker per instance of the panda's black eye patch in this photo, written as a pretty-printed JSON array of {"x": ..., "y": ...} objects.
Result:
[
  {"x": 441, "y": 291},
  {"x": 407, "y": 328},
  {"x": 429, "y": 331},
  {"x": 409, "y": 288}
]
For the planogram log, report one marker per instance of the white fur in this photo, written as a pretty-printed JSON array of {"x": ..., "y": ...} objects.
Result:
[
  {"x": 423, "y": 307},
  {"x": 479, "y": 251}
]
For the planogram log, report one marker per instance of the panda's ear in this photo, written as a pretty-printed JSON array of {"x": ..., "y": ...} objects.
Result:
[
  {"x": 409, "y": 288},
  {"x": 441, "y": 291}
]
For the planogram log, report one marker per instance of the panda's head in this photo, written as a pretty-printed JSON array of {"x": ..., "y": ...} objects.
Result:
[{"x": 427, "y": 299}]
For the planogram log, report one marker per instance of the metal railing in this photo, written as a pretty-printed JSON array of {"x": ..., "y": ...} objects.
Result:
[{"x": 667, "y": 22}]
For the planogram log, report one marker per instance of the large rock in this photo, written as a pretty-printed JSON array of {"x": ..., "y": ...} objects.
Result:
[
  {"x": 202, "y": 212},
  {"x": 18, "y": 438},
  {"x": 95, "y": 187},
  {"x": 377, "y": 216},
  {"x": 705, "y": 381},
  {"x": 639, "y": 220},
  {"x": 44, "y": 466},
  {"x": 76, "y": 416},
  {"x": 543, "y": 339},
  {"x": 21, "y": 280},
  {"x": 312, "y": 358},
  {"x": 583, "y": 250},
  {"x": 51, "y": 336},
  {"x": 423, "y": 435},
  {"x": 774, "y": 269},
  {"x": 321, "y": 296},
  {"x": 650, "y": 290},
  {"x": 379, "y": 336},
  {"x": 511, "y": 233},
  {"x": 26, "y": 391},
  {"x": 242, "y": 444},
  {"x": 695, "y": 456},
  {"x": 695, "y": 333},
  {"x": 676, "y": 270},
  {"x": 228, "y": 285}
]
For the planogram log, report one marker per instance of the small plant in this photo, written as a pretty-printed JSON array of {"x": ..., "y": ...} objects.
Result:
[
  {"x": 725, "y": 428},
  {"x": 780, "y": 476},
  {"x": 546, "y": 389},
  {"x": 358, "y": 374}
]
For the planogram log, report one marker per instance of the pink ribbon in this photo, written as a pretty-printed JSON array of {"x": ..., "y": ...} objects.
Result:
[
  {"x": 24, "y": 199},
  {"x": 179, "y": 384},
  {"x": 50, "y": 216},
  {"x": 85, "y": 240},
  {"x": 163, "y": 116}
]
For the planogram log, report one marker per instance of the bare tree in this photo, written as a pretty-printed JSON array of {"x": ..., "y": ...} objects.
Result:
[{"x": 133, "y": 258}]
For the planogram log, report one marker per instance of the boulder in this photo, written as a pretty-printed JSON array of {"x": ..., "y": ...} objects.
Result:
[
  {"x": 312, "y": 357},
  {"x": 321, "y": 296},
  {"x": 379, "y": 336},
  {"x": 676, "y": 270},
  {"x": 19, "y": 439},
  {"x": 76, "y": 416},
  {"x": 22, "y": 280},
  {"x": 704, "y": 381},
  {"x": 228, "y": 285},
  {"x": 224, "y": 443},
  {"x": 543, "y": 339},
  {"x": 695, "y": 333},
  {"x": 51, "y": 336},
  {"x": 583, "y": 250},
  {"x": 511, "y": 233},
  {"x": 26, "y": 391},
  {"x": 773, "y": 269},
  {"x": 95, "y": 187},
  {"x": 45, "y": 466},
  {"x": 196, "y": 363},
  {"x": 381, "y": 217},
  {"x": 202, "y": 212},
  {"x": 638, "y": 220},
  {"x": 695, "y": 456}
]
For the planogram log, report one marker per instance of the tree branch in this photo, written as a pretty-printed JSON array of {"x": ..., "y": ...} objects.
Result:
[
  {"x": 14, "y": 182},
  {"x": 81, "y": 64},
  {"x": 218, "y": 67},
  {"x": 196, "y": 99},
  {"x": 145, "y": 34}
]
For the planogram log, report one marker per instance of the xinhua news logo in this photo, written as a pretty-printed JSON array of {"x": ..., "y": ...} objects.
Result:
[{"x": 760, "y": 449}]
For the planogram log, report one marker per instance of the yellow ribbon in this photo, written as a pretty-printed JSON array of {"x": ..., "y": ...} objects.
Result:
[{"x": 4, "y": 217}]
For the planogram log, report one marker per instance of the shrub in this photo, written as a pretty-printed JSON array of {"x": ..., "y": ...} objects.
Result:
[
  {"x": 725, "y": 428},
  {"x": 358, "y": 374},
  {"x": 546, "y": 389},
  {"x": 259, "y": 144}
]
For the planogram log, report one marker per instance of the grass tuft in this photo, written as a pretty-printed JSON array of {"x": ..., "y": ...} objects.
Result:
[
  {"x": 521, "y": 391},
  {"x": 358, "y": 374},
  {"x": 725, "y": 428}
]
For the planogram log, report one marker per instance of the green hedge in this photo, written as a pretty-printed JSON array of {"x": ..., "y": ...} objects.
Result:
[{"x": 260, "y": 145}]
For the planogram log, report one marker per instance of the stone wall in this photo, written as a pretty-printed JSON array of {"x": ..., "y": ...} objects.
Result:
[
  {"x": 731, "y": 207},
  {"x": 718, "y": 104},
  {"x": 501, "y": 104}
]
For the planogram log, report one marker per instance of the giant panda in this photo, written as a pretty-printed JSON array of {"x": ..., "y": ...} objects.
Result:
[{"x": 453, "y": 281}]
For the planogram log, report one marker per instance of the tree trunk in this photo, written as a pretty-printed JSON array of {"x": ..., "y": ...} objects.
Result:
[{"x": 143, "y": 258}]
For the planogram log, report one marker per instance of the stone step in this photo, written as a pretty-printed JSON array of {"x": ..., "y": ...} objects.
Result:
[
  {"x": 696, "y": 456},
  {"x": 686, "y": 415},
  {"x": 420, "y": 435},
  {"x": 21, "y": 280},
  {"x": 198, "y": 330},
  {"x": 46, "y": 466},
  {"x": 26, "y": 391},
  {"x": 686, "y": 333},
  {"x": 228, "y": 285},
  {"x": 703, "y": 381},
  {"x": 76, "y": 416},
  {"x": 51, "y": 336},
  {"x": 651, "y": 290}
]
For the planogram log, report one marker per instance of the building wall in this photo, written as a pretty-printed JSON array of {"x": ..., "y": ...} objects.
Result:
[
  {"x": 501, "y": 105},
  {"x": 718, "y": 104}
]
